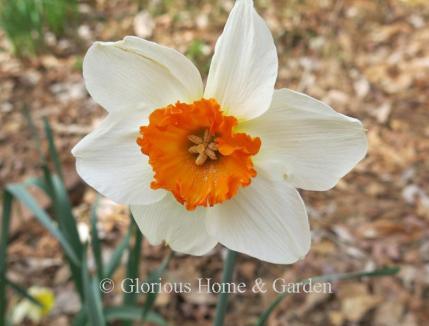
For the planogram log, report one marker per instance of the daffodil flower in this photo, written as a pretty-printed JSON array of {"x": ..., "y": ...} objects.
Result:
[
  {"x": 222, "y": 163},
  {"x": 26, "y": 309}
]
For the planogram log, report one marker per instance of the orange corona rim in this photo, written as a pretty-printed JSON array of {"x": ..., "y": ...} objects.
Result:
[{"x": 195, "y": 153}]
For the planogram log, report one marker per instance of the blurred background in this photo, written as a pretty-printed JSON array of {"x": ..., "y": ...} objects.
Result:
[{"x": 368, "y": 59}]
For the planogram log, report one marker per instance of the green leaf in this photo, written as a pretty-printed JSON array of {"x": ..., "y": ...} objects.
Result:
[
  {"x": 64, "y": 214},
  {"x": 77, "y": 278},
  {"x": 6, "y": 217},
  {"x": 25, "y": 22},
  {"x": 154, "y": 278},
  {"x": 39, "y": 183},
  {"x": 133, "y": 313},
  {"x": 53, "y": 153},
  {"x": 67, "y": 223},
  {"x": 54, "y": 188},
  {"x": 35, "y": 134},
  {"x": 20, "y": 193},
  {"x": 115, "y": 261},
  {"x": 93, "y": 304},
  {"x": 23, "y": 292},
  {"x": 96, "y": 305},
  {"x": 133, "y": 260},
  {"x": 222, "y": 304},
  {"x": 81, "y": 318},
  {"x": 133, "y": 264},
  {"x": 96, "y": 243},
  {"x": 387, "y": 271}
]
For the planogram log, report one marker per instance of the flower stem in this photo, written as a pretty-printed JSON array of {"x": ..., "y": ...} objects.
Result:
[{"x": 222, "y": 304}]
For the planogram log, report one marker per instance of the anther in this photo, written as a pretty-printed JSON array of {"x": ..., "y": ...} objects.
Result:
[
  {"x": 197, "y": 149},
  {"x": 206, "y": 138},
  {"x": 195, "y": 139},
  {"x": 213, "y": 146},
  {"x": 201, "y": 159},
  {"x": 211, "y": 154}
]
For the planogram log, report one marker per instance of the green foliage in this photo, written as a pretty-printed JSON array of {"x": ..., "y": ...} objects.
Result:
[
  {"x": 117, "y": 255},
  {"x": 154, "y": 277},
  {"x": 62, "y": 225},
  {"x": 133, "y": 313},
  {"x": 26, "y": 21},
  {"x": 96, "y": 242},
  {"x": 93, "y": 304},
  {"x": 6, "y": 217},
  {"x": 19, "y": 192},
  {"x": 222, "y": 304},
  {"x": 133, "y": 265},
  {"x": 23, "y": 292}
]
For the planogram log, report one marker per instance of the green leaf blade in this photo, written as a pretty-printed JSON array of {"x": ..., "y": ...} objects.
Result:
[
  {"x": 93, "y": 303},
  {"x": 117, "y": 255},
  {"x": 53, "y": 153},
  {"x": 154, "y": 278},
  {"x": 21, "y": 194},
  {"x": 6, "y": 220},
  {"x": 133, "y": 313},
  {"x": 23, "y": 292},
  {"x": 95, "y": 241}
]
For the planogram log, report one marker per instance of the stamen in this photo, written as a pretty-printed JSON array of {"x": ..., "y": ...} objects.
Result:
[
  {"x": 206, "y": 136},
  {"x": 213, "y": 146},
  {"x": 201, "y": 159},
  {"x": 198, "y": 149},
  {"x": 211, "y": 154},
  {"x": 195, "y": 139},
  {"x": 205, "y": 147}
]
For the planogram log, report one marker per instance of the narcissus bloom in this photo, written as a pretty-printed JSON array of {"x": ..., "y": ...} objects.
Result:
[
  {"x": 222, "y": 163},
  {"x": 26, "y": 309}
]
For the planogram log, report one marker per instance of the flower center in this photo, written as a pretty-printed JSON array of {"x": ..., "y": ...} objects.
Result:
[
  {"x": 205, "y": 147},
  {"x": 195, "y": 153}
]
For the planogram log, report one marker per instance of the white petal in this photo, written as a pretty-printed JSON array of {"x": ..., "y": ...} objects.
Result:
[
  {"x": 184, "y": 231},
  {"x": 109, "y": 160},
  {"x": 244, "y": 67},
  {"x": 266, "y": 220},
  {"x": 138, "y": 74},
  {"x": 307, "y": 141}
]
